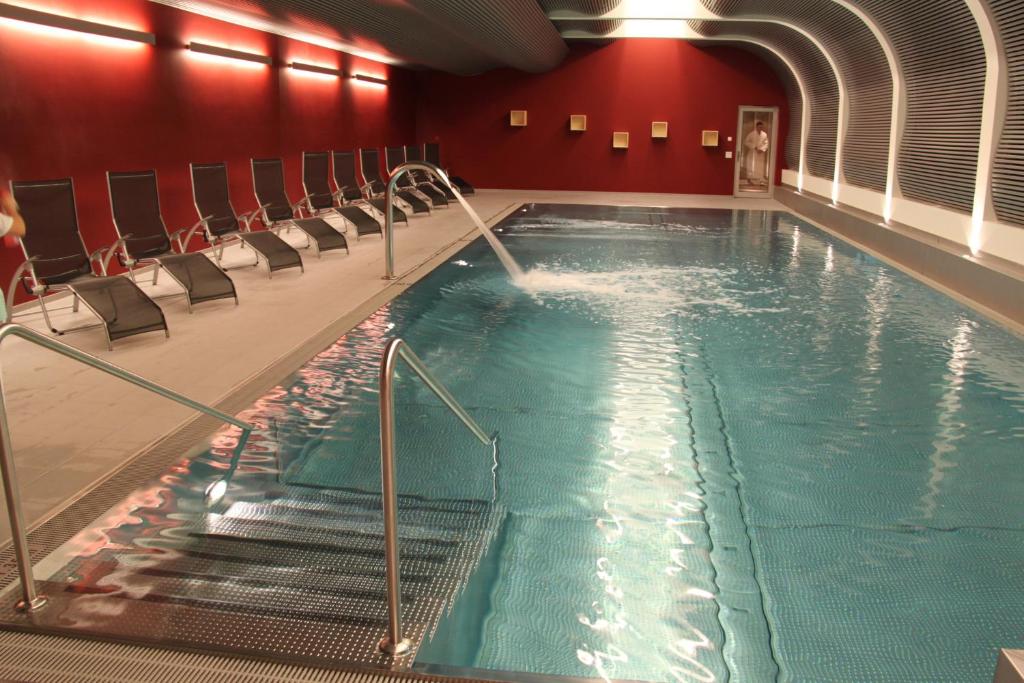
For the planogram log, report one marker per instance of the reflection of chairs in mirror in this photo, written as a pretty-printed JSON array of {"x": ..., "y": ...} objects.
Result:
[{"x": 754, "y": 170}]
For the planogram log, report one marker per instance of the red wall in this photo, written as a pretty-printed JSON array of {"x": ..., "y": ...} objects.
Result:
[
  {"x": 621, "y": 86},
  {"x": 74, "y": 106}
]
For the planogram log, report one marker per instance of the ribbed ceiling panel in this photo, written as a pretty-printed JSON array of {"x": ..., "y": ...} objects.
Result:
[
  {"x": 459, "y": 36},
  {"x": 815, "y": 72},
  {"x": 588, "y": 7},
  {"x": 584, "y": 8},
  {"x": 599, "y": 28},
  {"x": 862, "y": 65},
  {"x": 943, "y": 62},
  {"x": 1008, "y": 170}
]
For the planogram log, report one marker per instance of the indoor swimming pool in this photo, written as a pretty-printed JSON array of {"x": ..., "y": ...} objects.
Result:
[{"x": 732, "y": 447}]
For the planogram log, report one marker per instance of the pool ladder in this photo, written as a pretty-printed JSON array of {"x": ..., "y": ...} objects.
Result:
[
  {"x": 31, "y": 599},
  {"x": 393, "y": 643}
]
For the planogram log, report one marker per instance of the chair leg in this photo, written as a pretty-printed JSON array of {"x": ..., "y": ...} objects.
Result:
[
  {"x": 156, "y": 273},
  {"x": 74, "y": 302},
  {"x": 46, "y": 315}
]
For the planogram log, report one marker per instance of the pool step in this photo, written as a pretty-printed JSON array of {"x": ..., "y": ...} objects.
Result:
[{"x": 307, "y": 562}]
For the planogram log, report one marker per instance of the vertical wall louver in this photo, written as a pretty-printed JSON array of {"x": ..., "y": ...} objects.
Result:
[
  {"x": 816, "y": 74},
  {"x": 862, "y": 65},
  {"x": 943, "y": 61},
  {"x": 1008, "y": 169}
]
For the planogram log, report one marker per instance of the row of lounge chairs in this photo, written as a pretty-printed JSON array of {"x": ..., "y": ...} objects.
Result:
[{"x": 56, "y": 257}]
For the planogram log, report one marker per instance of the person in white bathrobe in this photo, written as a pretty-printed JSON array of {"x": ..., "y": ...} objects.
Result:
[{"x": 756, "y": 156}]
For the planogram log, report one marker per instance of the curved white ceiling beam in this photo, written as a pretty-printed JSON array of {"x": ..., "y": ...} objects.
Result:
[
  {"x": 805, "y": 118},
  {"x": 995, "y": 95},
  {"x": 899, "y": 102},
  {"x": 844, "y": 99}
]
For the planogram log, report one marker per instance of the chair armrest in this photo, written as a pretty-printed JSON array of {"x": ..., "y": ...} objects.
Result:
[
  {"x": 98, "y": 257},
  {"x": 248, "y": 218},
  {"x": 112, "y": 249},
  {"x": 297, "y": 206},
  {"x": 18, "y": 275},
  {"x": 183, "y": 243}
]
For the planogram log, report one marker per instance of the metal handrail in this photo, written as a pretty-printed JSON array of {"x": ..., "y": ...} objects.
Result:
[
  {"x": 393, "y": 643},
  {"x": 389, "y": 219},
  {"x": 31, "y": 599}
]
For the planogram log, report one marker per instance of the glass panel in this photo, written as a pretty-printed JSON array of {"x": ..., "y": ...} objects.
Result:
[{"x": 755, "y": 151}]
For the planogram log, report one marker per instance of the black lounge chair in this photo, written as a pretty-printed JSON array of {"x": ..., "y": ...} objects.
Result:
[
  {"x": 394, "y": 157},
  {"x": 58, "y": 260},
  {"x": 369, "y": 163},
  {"x": 276, "y": 210},
  {"x": 144, "y": 240},
  {"x": 319, "y": 199},
  {"x": 415, "y": 153},
  {"x": 220, "y": 222},
  {"x": 432, "y": 155},
  {"x": 344, "y": 164}
]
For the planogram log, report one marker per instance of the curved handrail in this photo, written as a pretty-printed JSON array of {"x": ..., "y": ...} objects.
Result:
[
  {"x": 389, "y": 219},
  {"x": 393, "y": 643},
  {"x": 31, "y": 599}
]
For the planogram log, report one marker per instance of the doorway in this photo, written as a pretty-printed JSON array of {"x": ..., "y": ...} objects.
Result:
[{"x": 756, "y": 137}]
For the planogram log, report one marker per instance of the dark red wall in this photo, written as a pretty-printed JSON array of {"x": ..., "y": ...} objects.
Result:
[
  {"x": 621, "y": 86},
  {"x": 71, "y": 106}
]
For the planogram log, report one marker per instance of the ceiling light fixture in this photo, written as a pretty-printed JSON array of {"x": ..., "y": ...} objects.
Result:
[{"x": 58, "y": 21}]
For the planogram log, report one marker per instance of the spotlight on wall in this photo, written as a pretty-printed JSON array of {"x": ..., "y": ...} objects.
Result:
[
  {"x": 64, "y": 23},
  {"x": 216, "y": 51},
  {"x": 313, "y": 68},
  {"x": 364, "y": 78}
]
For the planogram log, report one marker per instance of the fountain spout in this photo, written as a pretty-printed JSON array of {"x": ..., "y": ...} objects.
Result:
[{"x": 513, "y": 268}]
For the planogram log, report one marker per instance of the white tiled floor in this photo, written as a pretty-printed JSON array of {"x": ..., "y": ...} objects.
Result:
[{"x": 71, "y": 425}]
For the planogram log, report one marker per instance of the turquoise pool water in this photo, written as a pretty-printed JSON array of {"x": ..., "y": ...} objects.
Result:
[{"x": 732, "y": 448}]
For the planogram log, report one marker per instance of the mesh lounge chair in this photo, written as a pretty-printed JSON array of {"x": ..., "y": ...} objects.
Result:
[
  {"x": 276, "y": 209},
  {"x": 395, "y": 156},
  {"x": 370, "y": 162},
  {"x": 415, "y": 153},
  {"x": 432, "y": 155},
  {"x": 319, "y": 199},
  {"x": 345, "y": 177},
  {"x": 143, "y": 240},
  {"x": 220, "y": 222},
  {"x": 58, "y": 260}
]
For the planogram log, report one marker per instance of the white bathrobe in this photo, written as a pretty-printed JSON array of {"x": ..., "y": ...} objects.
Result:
[{"x": 756, "y": 160}]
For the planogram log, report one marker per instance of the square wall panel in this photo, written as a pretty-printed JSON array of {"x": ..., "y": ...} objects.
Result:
[
  {"x": 517, "y": 118},
  {"x": 577, "y": 122},
  {"x": 659, "y": 129},
  {"x": 709, "y": 138},
  {"x": 620, "y": 140}
]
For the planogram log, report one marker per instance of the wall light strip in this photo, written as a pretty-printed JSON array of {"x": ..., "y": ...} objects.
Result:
[
  {"x": 369, "y": 79},
  {"x": 315, "y": 69},
  {"x": 72, "y": 24},
  {"x": 205, "y": 49}
]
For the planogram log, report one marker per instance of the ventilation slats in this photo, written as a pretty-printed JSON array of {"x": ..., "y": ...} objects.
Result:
[
  {"x": 816, "y": 74},
  {"x": 943, "y": 64},
  {"x": 1008, "y": 166},
  {"x": 864, "y": 69}
]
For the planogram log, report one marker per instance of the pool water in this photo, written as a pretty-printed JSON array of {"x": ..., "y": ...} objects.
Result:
[{"x": 732, "y": 447}]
